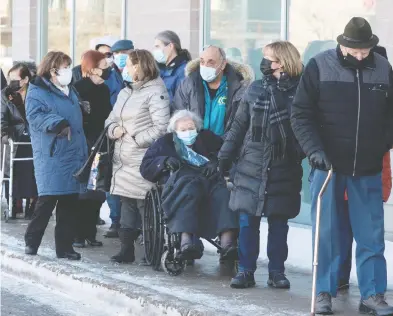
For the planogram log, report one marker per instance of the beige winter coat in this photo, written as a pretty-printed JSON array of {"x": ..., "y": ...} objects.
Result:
[{"x": 144, "y": 114}]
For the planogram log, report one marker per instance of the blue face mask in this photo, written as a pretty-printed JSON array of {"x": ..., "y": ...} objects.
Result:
[
  {"x": 187, "y": 137},
  {"x": 120, "y": 60},
  {"x": 126, "y": 76}
]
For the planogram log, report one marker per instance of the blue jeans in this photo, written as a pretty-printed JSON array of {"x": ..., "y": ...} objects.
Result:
[
  {"x": 114, "y": 204},
  {"x": 277, "y": 247},
  {"x": 345, "y": 244},
  {"x": 367, "y": 221}
]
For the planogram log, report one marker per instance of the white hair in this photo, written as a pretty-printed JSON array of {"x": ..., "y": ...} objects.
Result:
[{"x": 182, "y": 114}]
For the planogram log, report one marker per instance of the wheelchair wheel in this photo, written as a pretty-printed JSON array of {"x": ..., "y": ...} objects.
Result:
[
  {"x": 172, "y": 265},
  {"x": 149, "y": 228},
  {"x": 159, "y": 231}
]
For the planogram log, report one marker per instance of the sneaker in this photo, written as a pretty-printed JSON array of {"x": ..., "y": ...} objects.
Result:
[
  {"x": 191, "y": 251},
  {"x": 278, "y": 280},
  {"x": 113, "y": 231},
  {"x": 376, "y": 305},
  {"x": 243, "y": 280},
  {"x": 323, "y": 304}
]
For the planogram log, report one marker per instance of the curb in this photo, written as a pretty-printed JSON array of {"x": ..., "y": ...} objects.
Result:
[{"x": 120, "y": 297}]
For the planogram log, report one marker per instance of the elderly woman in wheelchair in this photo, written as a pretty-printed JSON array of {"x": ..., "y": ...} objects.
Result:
[{"x": 195, "y": 197}]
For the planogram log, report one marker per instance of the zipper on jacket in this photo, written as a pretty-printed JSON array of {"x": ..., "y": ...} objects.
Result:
[{"x": 358, "y": 122}]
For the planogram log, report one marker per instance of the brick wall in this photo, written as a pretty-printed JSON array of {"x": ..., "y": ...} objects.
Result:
[{"x": 146, "y": 18}]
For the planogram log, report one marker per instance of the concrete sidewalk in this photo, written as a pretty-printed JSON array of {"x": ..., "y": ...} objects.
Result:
[{"x": 138, "y": 290}]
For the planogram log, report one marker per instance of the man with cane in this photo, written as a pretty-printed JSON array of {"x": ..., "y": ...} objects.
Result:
[{"x": 342, "y": 117}]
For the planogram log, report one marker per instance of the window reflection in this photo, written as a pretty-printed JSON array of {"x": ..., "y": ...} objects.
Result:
[{"x": 243, "y": 27}]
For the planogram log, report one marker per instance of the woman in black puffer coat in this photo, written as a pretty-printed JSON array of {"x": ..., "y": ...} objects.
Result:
[
  {"x": 14, "y": 127},
  {"x": 92, "y": 88},
  {"x": 267, "y": 180}
]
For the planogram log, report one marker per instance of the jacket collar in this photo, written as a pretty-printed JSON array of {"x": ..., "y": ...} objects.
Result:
[
  {"x": 174, "y": 64},
  {"x": 368, "y": 62}
]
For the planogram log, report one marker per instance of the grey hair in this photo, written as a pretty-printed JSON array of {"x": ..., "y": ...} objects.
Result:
[
  {"x": 168, "y": 37},
  {"x": 220, "y": 50},
  {"x": 182, "y": 114}
]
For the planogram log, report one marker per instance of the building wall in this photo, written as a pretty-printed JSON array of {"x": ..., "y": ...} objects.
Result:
[
  {"x": 146, "y": 18},
  {"x": 384, "y": 25}
]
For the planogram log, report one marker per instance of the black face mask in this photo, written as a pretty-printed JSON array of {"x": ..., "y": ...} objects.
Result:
[
  {"x": 354, "y": 62},
  {"x": 266, "y": 67},
  {"x": 14, "y": 86},
  {"x": 106, "y": 73}
]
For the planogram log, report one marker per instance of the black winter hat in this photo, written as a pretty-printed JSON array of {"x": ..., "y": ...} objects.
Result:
[{"x": 358, "y": 34}]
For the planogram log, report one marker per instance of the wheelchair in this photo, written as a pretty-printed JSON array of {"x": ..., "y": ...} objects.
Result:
[{"x": 162, "y": 248}]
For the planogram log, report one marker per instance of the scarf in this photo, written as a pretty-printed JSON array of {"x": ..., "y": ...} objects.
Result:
[
  {"x": 270, "y": 110},
  {"x": 187, "y": 154}
]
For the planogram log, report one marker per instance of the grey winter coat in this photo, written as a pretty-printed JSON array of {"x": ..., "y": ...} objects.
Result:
[
  {"x": 143, "y": 111},
  {"x": 263, "y": 187},
  {"x": 190, "y": 94}
]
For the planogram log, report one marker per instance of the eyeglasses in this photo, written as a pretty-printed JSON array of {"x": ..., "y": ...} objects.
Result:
[{"x": 108, "y": 55}]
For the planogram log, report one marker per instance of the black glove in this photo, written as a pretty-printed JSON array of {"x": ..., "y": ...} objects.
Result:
[
  {"x": 210, "y": 168},
  {"x": 224, "y": 166},
  {"x": 172, "y": 164},
  {"x": 319, "y": 160}
]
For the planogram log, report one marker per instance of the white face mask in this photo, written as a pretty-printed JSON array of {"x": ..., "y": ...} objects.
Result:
[
  {"x": 208, "y": 73},
  {"x": 64, "y": 76},
  {"x": 159, "y": 56}
]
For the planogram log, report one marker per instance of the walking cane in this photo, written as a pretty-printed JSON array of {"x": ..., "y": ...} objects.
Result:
[{"x": 316, "y": 241}]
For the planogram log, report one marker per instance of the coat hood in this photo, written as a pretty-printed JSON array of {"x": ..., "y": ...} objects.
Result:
[{"x": 242, "y": 70}]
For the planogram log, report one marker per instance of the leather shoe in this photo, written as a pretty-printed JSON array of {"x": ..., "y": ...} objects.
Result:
[
  {"x": 29, "y": 250},
  {"x": 70, "y": 255},
  {"x": 324, "y": 304},
  {"x": 376, "y": 305}
]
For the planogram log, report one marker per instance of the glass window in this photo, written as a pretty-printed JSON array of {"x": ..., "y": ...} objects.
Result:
[
  {"x": 242, "y": 28},
  {"x": 59, "y": 25},
  {"x": 313, "y": 28},
  {"x": 315, "y": 25},
  {"x": 6, "y": 35},
  {"x": 95, "y": 19}
]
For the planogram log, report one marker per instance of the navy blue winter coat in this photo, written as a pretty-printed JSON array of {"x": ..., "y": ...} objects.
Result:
[
  {"x": 173, "y": 74},
  {"x": 152, "y": 168},
  {"x": 48, "y": 111}
]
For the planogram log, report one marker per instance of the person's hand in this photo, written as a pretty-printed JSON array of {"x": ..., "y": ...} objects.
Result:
[
  {"x": 319, "y": 161},
  {"x": 118, "y": 132},
  {"x": 224, "y": 165},
  {"x": 66, "y": 132},
  {"x": 172, "y": 164},
  {"x": 210, "y": 168}
]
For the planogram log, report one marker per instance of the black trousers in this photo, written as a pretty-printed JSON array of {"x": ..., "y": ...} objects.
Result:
[
  {"x": 66, "y": 209},
  {"x": 86, "y": 219}
]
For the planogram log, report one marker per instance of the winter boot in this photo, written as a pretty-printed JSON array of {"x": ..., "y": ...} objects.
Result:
[
  {"x": 243, "y": 280},
  {"x": 127, "y": 238},
  {"x": 113, "y": 231},
  {"x": 278, "y": 280}
]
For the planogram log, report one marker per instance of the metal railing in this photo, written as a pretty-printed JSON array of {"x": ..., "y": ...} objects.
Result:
[{"x": 12, "y": 145}]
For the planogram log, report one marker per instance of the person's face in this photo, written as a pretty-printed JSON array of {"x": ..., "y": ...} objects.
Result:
[
  {"x": 166, "y": 49},
  {"x": 211, "y": 57},
  {"x": 96, "y": 73},
  {"x": 14, "y": 76},
  {"x": 185, "y": 124},
  {"x": 104, "y": 49},
  {"x": 358, "y": 53},
  {"x": 59, "y": 72},
  {"x": 132, "y": 70},
  {"x": 276, "y": 65}
]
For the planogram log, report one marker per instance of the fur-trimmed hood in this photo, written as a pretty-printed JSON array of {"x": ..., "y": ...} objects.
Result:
[{"x": 242, "y": 70}]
